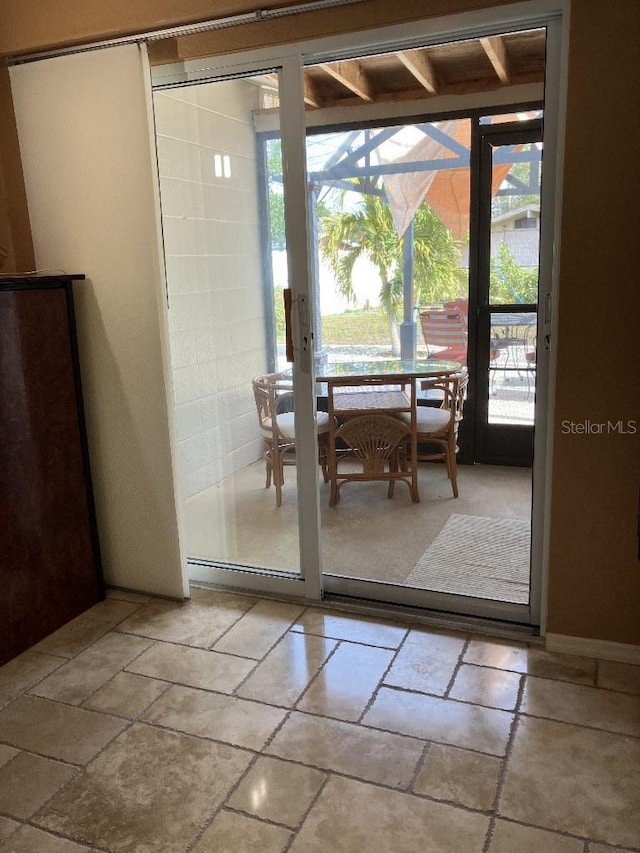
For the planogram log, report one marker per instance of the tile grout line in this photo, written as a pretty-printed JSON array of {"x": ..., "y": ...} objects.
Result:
[
  {"x": 80, "y": 704},
  {"x": 381, "y": 682},
  {"x": 206, "y": 824},
  {"x": 306, "y": 813},
  {"x": 422, "y": 760},
  {"x": 260, "y": 660},
  {"x": 313, "y": 680},
  {"x": 223, "y": 803},
  {"x": 82, "y": 769},
  {"x": 456, "y": 670},
  {"x": 503, "y": 769},
  {"x": 235, "y": 624},
  {"x": 112, "y": 627}
]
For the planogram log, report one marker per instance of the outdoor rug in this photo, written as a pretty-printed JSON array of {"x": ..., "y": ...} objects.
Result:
[{"x": 477, "y": 556}]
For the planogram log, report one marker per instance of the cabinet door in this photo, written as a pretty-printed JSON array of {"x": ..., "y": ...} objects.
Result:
[{"x": 49, "y": 572}]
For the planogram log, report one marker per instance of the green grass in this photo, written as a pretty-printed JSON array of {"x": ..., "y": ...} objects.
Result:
[{"x": 362, "y": 327}]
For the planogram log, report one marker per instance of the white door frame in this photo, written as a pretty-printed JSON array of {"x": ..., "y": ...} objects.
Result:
[{"x": 552, "y": 14}]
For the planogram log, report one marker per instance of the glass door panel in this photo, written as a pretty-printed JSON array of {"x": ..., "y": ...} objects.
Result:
[
  {"x": 390, "y": 213},
  {"x": 223, "y": 205},
  {"x": 509, "y": 240},
  {"x": 512, "y": 368}
]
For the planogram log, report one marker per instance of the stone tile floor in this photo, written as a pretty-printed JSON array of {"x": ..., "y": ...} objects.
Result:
[{"x": 233, "y": 723}]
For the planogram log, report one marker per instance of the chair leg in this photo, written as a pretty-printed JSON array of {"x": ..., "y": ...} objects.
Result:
[
  {"x": 452, "y": 466},
  {"x": 323, "y": 447},
  {"x": 278, "y": 474}
]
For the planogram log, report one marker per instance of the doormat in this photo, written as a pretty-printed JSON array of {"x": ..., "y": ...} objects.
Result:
[{"x": 477, "y": 556}]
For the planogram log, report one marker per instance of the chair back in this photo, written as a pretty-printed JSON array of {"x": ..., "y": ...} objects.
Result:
[
  {"x": 273, "y": 393},
  {"x": 452, "y": 390},
  {"x": 445, "y": 334},
  {"x": 461, "y": 305}
]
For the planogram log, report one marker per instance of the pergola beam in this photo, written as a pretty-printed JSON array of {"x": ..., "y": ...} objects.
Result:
[
  {"x": 496, "y": 51},
  {"x": 419, "y": 64},
  {"x": 353, "y": 77},
  {"x": 312, "y": 94}
]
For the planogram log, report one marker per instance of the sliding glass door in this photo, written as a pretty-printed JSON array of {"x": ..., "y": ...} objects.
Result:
[{"x": 336, "y": 187}]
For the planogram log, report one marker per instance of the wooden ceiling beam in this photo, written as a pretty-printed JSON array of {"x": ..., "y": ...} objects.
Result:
[
  {"x": 496, "y": 50},
  {"x": 352, "y": 76},
  {"x": 312, "y": 94},
  {"x": 419, "y": 64}
]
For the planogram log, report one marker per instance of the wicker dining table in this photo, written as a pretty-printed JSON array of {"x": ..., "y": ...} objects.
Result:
[{"x": 363, "y": 400}]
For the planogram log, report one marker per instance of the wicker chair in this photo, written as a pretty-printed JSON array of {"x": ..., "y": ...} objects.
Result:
[
  {"x": 438, "y": 427},
  {"x": 363, "y": 427},
  {"x": 273, "y": 394}
]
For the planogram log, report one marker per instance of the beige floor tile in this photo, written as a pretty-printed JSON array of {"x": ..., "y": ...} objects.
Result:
[
  {"x": 576, "y": 780},
  {"x": 533, "y": 661},
  {"x": 259, "y": 629},
  {"x": 23, "y": 672},
  {"x": 149, "y": 790},
  {"x": 357, "y": 629},
  {"x": 7, "y": 828},
  {"x": 510, "y": 837},
  {"x": 346, "y": 684},
  {"x": 232, "y": 833},
  {"x": 426, "y": 662},
  {"x": 27, "y": 782},
  {"x": 32, "y": 840},
  {"x": 460, "y": 776},
  {"x": 59, "y": 731},
  {"x": 494, "y": 688},
  {"x": 199, "y": 622},
  {"x": 585, "y": 706},
  {"x": 381, "y": 757},
  {"x": 351, "y": 817},
  {"x": 619, "y": 676},
  {"x": 444, "y": 720},
  {"x": 6, "y": 754},
  {"x": 277, "y": 791},
  {"x": 126, "y": 695},
  {"x": 605, "y": 848},
  {"x": 194, "y": 667},
  {"x": 287, "y": 670},
  {"x": 226, "y": 718},
  {"x": 78, "y": 678},
  {"x": 77, "y": 635}
]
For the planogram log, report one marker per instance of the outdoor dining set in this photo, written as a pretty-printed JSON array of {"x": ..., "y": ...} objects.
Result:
[
  {"x": 374, "y": 427},
  {"x": 376, "y": 420}
]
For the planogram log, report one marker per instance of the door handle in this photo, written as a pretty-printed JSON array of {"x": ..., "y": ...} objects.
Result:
[
  {"x": 288, "y": 333},
  {"x": 298, "y": 335}
]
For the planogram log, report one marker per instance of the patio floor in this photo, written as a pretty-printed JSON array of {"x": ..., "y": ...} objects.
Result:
[{"x": 365, "y": 536}]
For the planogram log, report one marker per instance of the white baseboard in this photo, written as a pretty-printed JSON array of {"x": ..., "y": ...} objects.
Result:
[{"x": 587, "y": 647}]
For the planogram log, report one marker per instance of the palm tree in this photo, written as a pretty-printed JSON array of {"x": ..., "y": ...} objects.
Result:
[{"x": 368, "y": 231}]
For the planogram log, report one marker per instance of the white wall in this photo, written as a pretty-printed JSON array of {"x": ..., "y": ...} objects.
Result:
[
  {"x": 214, "y": 278},
  {"x": 83, "y": 125}
]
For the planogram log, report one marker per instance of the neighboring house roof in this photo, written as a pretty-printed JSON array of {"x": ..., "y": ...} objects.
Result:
[
  {"x": 523, "y": 245},
  {"x": 528, "y": 211}
]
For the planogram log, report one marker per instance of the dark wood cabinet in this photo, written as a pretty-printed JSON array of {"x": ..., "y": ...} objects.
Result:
[{"x": 49, "y": 556}]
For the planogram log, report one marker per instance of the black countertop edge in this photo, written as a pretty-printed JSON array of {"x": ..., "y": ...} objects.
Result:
[{"x": 31, "y": 279}]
